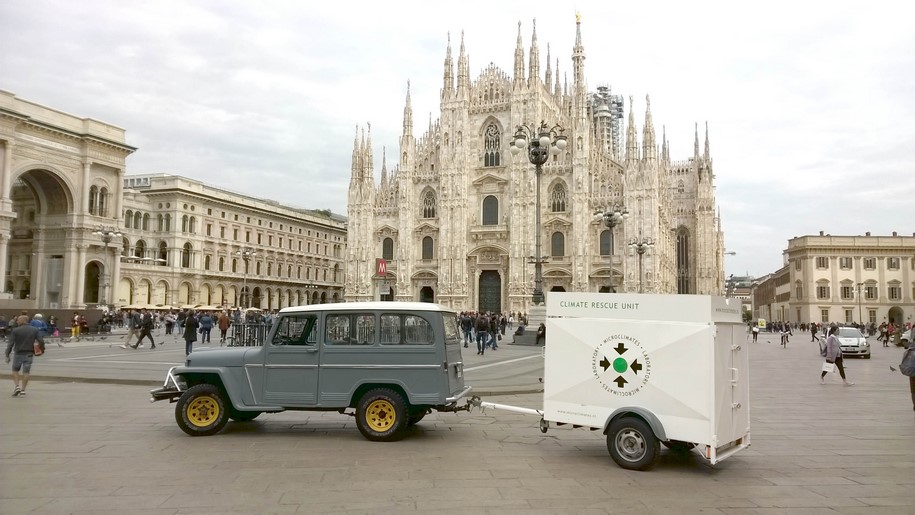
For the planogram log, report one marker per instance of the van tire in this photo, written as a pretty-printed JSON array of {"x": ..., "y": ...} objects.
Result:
[
  {"x": 381, "y": 415},
  {"x": 632, "y": 443},
  {"x": 201, "y": 410}
]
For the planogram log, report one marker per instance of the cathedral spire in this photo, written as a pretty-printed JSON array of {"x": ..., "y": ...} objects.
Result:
[
  {"x": 665, "y": 152},
  {"x": 548, "y": 78},
  {"x": 384, "y": 167},
  {"x": 558, "y": 90},
  {"x": 448, "y": 85},
  {"x": 649, "y": 147},
  {"x": 369, "y": 167},
  {"x": 356, "y": 155},
  {"x": 519, "y": 61},
  {"x": 408, "y": 114},
  {"x": 534, "y": 60},
  {"x": 707, "y": 153},
  {"x": 632, "y": 145},
  {"x": 463, "y": 86},
  {"x": 696, "y": 144},
  {"x": 578, "y": 54}
]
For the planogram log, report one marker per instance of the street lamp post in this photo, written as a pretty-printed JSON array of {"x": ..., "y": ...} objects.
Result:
[
  {"x": 540, "y": 141},
  {"x": 246, "y": 254},
  {"x": 641, "y": 245},
  {"x": 107, "y": 234},
  {"x": 611, "y": 217},
  {"x": 860, "y": 319}
]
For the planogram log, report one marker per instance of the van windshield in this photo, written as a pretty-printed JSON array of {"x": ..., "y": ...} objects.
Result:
[{"x": 452, "y": 329}]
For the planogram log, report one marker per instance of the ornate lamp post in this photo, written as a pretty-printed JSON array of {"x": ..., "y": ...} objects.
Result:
[
  {"x": 246, "y": 255},
  {"x": 107, "y": 234},
  {"x": 613, "y": 216},
  {"x": 641, "y": 245},
  {"x": 858, "y": 294},
  {"x": 540, "y": 141}
]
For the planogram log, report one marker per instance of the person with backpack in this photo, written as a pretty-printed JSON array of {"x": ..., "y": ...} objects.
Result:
[{"x": 482, "y": 328}]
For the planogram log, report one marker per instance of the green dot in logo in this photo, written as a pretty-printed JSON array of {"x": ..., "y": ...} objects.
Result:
[{"x": 619, "y": 365}]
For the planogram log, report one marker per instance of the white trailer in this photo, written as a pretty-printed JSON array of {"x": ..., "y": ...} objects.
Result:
[{"x": 647, "y": 370}]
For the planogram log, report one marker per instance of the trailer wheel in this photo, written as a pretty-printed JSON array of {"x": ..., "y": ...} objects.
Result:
[
  {"x": 632, "y": 443},
  {"x": 201, "y": 410},
  {"x": 381, "y": 415}
]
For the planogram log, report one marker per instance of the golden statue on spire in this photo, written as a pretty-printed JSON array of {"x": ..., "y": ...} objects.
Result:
[{"x": 577, "y": 17}]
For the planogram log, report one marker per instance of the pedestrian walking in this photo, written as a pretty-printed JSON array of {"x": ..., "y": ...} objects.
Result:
[
  {"x": 133, "y": 326},
  {"x": 755, "y": 331},
  {"x": 146, "y": 327},
  {"x": 190, "y": 331},
  {"x": 206, "y": 325},
  {"x": 74, "y": 326},
  {"x": 23, "y": 342},
  {"x": 482, "y": 328},
  {"x": 224, "y": 322},
  {"x": 813, "y": 333},
  {"x": 834, "y": 356}
]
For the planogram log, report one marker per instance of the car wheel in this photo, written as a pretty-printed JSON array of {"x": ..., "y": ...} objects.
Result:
[
  {"x": 201, "y": 410},
  {"x": 381, "y": 415},
  {"x": 632, "y": 443}
]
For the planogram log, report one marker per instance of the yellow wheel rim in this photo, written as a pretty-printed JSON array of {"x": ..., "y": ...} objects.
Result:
[
  {"x": 202, "y": 411},
  {"x": 380, "y": 415}
]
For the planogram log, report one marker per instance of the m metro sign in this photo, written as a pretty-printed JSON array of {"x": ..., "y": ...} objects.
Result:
[{"x": 381, "y": 267}]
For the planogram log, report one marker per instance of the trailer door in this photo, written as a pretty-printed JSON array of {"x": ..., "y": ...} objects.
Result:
[{"x": 732, "y": 393}]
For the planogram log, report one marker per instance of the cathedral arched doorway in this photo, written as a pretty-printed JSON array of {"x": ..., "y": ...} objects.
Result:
[
  {"x": 490, "y": 291},
  {"x": 426, "y": 294},
  {"x": 93, "y": 283}
]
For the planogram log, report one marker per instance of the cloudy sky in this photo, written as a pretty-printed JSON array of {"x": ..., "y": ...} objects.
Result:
[{"x": 810, "y": 106}]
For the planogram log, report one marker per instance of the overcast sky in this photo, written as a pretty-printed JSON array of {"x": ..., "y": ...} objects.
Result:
[{"x": 810, "y": 106}]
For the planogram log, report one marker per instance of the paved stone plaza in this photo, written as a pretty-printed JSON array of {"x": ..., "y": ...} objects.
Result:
[{"x": 78, "y": 447}]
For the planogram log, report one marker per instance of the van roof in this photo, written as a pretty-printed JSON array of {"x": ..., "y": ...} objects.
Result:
[{"x": 362, "y": 306}]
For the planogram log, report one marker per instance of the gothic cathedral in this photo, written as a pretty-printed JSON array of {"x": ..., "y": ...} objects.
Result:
[{"x": 455, "y": 219}]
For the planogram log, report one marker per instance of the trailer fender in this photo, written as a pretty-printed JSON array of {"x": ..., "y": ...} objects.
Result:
[{"x": 656, "y": 427}]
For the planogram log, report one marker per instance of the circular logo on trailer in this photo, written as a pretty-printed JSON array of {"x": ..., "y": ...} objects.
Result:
[{"x": 621, "y": 365}]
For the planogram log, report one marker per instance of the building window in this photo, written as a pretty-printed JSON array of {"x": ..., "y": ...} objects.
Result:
[
  {"x": 160, "y": 226},
  {"x": 206, "y": 262},
  {"x": 492, "y": 144},
  {"x": 427, "y": 247},
  {"x": 870, "y": 292},
  {"x": 845, "y": 263},
  {"x": 799, "y": 292},
  {"x": 257, "y": 268},
  {"x": 163, "y": 253},
  {"x": 235, "y": 234},
  {"x": 680, "y": 187},
  {"x": 797, "y": 264},
  {"x": 823, "y": 263},
  {"x": 103, "y": 202},
  {"x": 824, "y": 315},
  {"x": 209, "y": 229},
  {"x": 870, "y": 263},
  {"x": 222, "y": 264},
  {"x": 892, "y": 263},
  {"x": 606, "y": 242},
  {"x": 145, "y": 221},
  {"x": 847, "y": 292},
  {"x": 429, "y": 204},
  {"x": 93, "y": 200},
  {"x": 557, "y": 244},
  {"x": 872, "y": 316},
  {"x": 234, "y": 266},
  {"x": 848, "y": 318},
  {"x": 490, "y": 210},
  {"x": 822, "y": 292},
  {"x": 186, "y": 256},
  {"x": 192, "y": 225},
  {"x": 558, "y": 199},
  {"x": 184, "y": 220},
  {"x": 894, "y": 292},
  {"x": 269, "y": 269},
  {"x": 387, "y": 249}
]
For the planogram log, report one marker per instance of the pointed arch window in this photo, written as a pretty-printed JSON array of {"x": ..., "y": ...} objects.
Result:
[
  {"x": 558, "y": 199},
  {"x": 606, "y": 242},
  {"x": 683, "y": 272},
  {"x": 186, "y": 255},
  {"x": 680, "y": 187},
  {"x": 427, "y": 247},
  {"x": 429, "y": 204},
  {"x": 490, "y": 210},
  {"x": 558, "y": 244},
  {"x": 387, "y": 249},
  {"x": 492, "y": 144}
]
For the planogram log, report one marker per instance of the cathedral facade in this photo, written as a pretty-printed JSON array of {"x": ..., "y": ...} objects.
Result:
[{"x": 454, "y": 221}]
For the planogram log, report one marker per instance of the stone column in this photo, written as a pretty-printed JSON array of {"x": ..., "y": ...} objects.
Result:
[
  {"x": 80, "y": 275},
  {"x": 4, "y": 240},
  {"x": 115, "y": 277},
  {"x": 84, "y": 191},
  {"x": 119, "y": 196},
  {"x": 6, "y": 173}
]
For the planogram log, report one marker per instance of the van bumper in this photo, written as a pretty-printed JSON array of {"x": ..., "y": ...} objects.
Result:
[{"x": 463, "y": 393}]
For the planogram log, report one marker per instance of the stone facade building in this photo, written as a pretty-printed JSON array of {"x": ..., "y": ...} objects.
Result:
[
  {"x": 455, "y": 217},
  {"x": 183, "y": 242},
  {"x": 843, "y": 279}
]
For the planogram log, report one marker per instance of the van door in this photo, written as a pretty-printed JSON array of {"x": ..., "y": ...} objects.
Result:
[{"x": 291, "y": 363}]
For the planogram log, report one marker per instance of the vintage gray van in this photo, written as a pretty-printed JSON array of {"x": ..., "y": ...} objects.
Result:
[{"x": 391, "y": 362}]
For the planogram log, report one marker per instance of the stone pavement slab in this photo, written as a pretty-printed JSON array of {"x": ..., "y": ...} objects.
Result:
[{"x": 76, "y": 447}]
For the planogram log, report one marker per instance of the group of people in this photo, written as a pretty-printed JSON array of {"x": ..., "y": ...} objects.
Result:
[
  {"x": 487, "y": 329},
  {"x": 141, "y": 323}
]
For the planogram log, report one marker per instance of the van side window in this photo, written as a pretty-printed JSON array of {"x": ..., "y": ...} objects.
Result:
[
  {"x": 350, "y": 329},
  {"x": 296, "y": 330},
  {"x": 405, "y": 330}
]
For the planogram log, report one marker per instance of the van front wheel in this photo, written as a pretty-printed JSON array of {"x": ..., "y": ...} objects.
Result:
[
  {"x": 201, "y": 410},
  {"x": 632, "y": 443},
  {"x": 382, "y": 415}
]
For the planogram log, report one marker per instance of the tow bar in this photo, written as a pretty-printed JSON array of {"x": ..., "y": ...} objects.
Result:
[{"x": 476, "y": 402}]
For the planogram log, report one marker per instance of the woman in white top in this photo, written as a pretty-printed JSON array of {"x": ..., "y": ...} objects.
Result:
[{"x": 834, "y": 355}]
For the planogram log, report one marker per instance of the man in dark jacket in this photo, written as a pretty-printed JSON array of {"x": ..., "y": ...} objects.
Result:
[
  {"x": 482, "y": 327},
  {"x": 22, "y": 343}
]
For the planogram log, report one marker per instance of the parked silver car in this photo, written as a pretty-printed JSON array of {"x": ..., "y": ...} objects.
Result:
[{"x": 853, "y": 343}]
